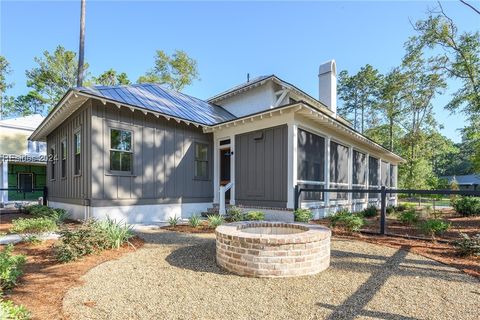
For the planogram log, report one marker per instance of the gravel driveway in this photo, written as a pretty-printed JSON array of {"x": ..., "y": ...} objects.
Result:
[{"x": 174, "y": 276}]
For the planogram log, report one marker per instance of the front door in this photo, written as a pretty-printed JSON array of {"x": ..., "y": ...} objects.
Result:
[{"x": 225, "y": 169}]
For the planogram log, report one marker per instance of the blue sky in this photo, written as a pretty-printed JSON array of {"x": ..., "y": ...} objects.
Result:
[{"x": 228, "y": 39}]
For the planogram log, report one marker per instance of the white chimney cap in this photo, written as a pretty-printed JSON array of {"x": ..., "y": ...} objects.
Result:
[{"x": 326, "y": 67}]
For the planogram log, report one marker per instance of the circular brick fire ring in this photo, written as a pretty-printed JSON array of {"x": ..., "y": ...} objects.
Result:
[{"x": 273, "y": 249}]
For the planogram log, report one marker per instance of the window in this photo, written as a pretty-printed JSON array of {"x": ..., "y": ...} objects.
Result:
[
  {"x": 385, "y": 172},
  {"x": 25, "y": 182},
  {"x": 359, "y": 173},
  {"x": 338, "y": 169},
  {"x": 77, "y": 147},
  {"x": 373, "y": 179},
  {"x": 52, "y": 163},
  {"x": 311, "y": 163},
  {"x": 393, "y": 176},
  {"x": 121, "y": 150},
  {"x": 201, "y": 161},
  {"x": 63, "y": 151}
]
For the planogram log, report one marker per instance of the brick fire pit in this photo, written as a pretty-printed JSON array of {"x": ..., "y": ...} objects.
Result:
[{"x": 273, "y": 249}]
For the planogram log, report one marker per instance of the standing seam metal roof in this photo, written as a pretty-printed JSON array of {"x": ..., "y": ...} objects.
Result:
[{"x": 156, "y": 98}]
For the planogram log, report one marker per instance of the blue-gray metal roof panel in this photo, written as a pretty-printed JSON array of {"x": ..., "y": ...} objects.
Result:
[{"x": 156, "y": 98}]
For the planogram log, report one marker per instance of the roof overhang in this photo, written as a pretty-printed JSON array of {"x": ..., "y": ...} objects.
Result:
[{"x": 311, "y": 113}]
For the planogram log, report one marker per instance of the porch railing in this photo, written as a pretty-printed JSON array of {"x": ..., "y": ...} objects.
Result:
[{"x": 223, "y": 190}]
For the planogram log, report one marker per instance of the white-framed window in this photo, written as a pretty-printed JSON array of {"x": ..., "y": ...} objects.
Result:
[
  {"x": 63, "y": 159},
  {"x": 121, "y": 150},
  {"x": 359, "y": 173},
  {"x": 373, "y": 178},
  {"x": 385, "y": 174},
  {"x": 310, "y": 164},
  {"x": 77, "y": 152},
  {"x": 338, "y": 170},
  {"x": 201, "y": 161}
]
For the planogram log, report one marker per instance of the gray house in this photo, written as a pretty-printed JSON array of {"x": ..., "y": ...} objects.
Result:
[{"x": 144, "y": 153}]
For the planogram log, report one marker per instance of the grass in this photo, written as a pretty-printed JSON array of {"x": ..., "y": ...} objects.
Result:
[{"x": 428, "y": 202}]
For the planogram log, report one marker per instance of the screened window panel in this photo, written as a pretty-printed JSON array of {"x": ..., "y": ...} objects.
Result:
[
  {"x": 311, "y": 156},
  {"x": 311, "y": 196},
  {"x": 338, "y": 163},
  {"x": 359, "y": 168},
  {"x": 385, "y": 174},
  {"x": 393, "y": 176},
  {"x": 373, "y": 171}
]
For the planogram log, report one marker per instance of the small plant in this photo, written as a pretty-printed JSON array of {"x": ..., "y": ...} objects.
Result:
[
  {"x": 467, "y": 206},
  {"x": 117, "y": 233},
  {"x": 59, "y": 215},
  {"x": 303, "y": 215},
  {"x": 255, "y": 215},
  {"x": 10, "y": 311},
  {"x": 236, "y": 214},
  {"x": 39, "y": 211},
  {"x": 369, "y": 212},
  {"x": 390, "y": 210},
  {"x": 32, "y": 239},
  {"x": 468, "y": 246},
  {"x": 194, "y": 221},
  {"x": 434, "y": 227},
  {"x": 339, "y": 216},
  {"x": 10, "y": 267},
  {"x": 351, "y": 222},
  {"x": 35, "y": 225},
  {"x": 173, "y": 221},
  {"x": 409, "y": 216},
  {"x": 401, "y": 207},
  {"x": 214, "y": 220}
]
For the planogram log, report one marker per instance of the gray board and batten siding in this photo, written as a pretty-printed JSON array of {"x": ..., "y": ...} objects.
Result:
[
  {"x": 163, "y": 160},
  {"x": 261, "y": 168}
]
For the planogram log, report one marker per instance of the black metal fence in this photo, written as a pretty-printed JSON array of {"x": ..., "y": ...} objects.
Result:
[
  {"x": 26, "y": 194},
  {"x": 383, "y": 192}
]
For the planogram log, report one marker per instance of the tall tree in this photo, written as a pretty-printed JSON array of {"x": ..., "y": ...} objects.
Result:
[
  {"x": 359, "y": 94},
  {"x": 111, "y": 78},
  {"x": 177, "y": 71},
  {"x": 81, "y": 49},
  {"x": 55, "y": 73},
  {"x": 5, "y": 70}
]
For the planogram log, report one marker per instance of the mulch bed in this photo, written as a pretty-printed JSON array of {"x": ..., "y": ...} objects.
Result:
[
  {"x": 6, "y": 221},
  {"x": 202, "y": 228},
  {"x": 45, "y": 280}
]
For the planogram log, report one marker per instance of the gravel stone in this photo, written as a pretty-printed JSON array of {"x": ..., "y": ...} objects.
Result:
[{"x": 174, "y": 276}]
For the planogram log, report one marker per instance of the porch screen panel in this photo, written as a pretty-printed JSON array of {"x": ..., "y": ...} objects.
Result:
[
  {"x": 359, "y": 173},
  {"x": 393, "y": 178},
  {"x": 310, "y": 164},
  {"x": 338, "y": 170},
  {"x": 373, "y": 178},
  {"x": 385, "y": 172}
]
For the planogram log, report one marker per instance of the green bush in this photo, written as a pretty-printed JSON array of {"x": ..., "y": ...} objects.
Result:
[
  {"x": 390, "y": 210},
  {"x": 401, "y": 207},
  {"x": 77, "y": 243},
  {"x": 236, "y": 214},
  {"x": 10, "y": 311},
  {"x": 194, "y": 221},
  {"x": 117, "y": 233},
  {"x": 467, "y": 206},
  {"x": 173, "y": 221},
  {"x": 303, "y": 215},
  {"x": 468, "y": 246},
  {"x": 34, "y": 225},
  {"x": 409, "y": 216},
  {"x": 32, "y": 239},
  {"x": 369, "y": 212},
  {"x": 255, "y": 215},
  {"x": 214, "y": 220},
  {"x": 434, "y": 227},
  {"x": 39, "y": 211},
  {"x": 351, "y": 222},
  {"x": 10, "y": 267}
]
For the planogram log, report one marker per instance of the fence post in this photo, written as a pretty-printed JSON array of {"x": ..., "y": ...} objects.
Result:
[
  {"x": 296, "y": 195},
  {"x": 383, "y": 209},
  {"x": 45, "y": 195}
]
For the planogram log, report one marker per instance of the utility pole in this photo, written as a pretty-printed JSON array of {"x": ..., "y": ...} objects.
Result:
[{"x": 81, "y": 50}]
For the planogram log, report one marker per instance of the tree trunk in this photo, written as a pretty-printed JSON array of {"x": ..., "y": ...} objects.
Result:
[
  {"x": 363, "y": 111},
  {"x": 81, "y": 50}
]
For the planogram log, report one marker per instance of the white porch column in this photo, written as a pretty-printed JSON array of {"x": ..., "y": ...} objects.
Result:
[
  {"x": 232, "y": 169},
  {"x": 350, "y": 177},
  {"x": 327, "y": 176},
  {"x": 291, "y": 164},
  {"x": 4, "y": 181},
  {"x": 216, "y": 170}
]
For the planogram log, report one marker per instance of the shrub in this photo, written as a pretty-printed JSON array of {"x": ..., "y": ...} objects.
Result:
[
  {"x": 369, "y": 212},
  {"x": 117, "y": 233},
  {"x": 351, "y": 222},
  {"x": 409, "y": 216},
  {"x": 85, "y": 240},
  {"x": 303, "y": 215},
  {"x": 59, "y": 215},
  {"x": 194, "y": 221},
  {"x": 34, "y": 225},
  {"x": 468, "y": 246},
  {"x": 10, "y": 311},
  {"x": 467, "y": 206},
  {"x": 255, "y": 215},
  {"x": 214, "y": 220},
  {"x": 173, "y": 221},
  {"x": 39, "y": 211},
  {"x": 236, "y": 214},
  {"x": 434, "y": 227},
  {"x": 10, "y": 267},
  {"x": 401, "y": 207},
  {"x": 32, "y": 239},
  {"x": 390, "y": 210}
]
